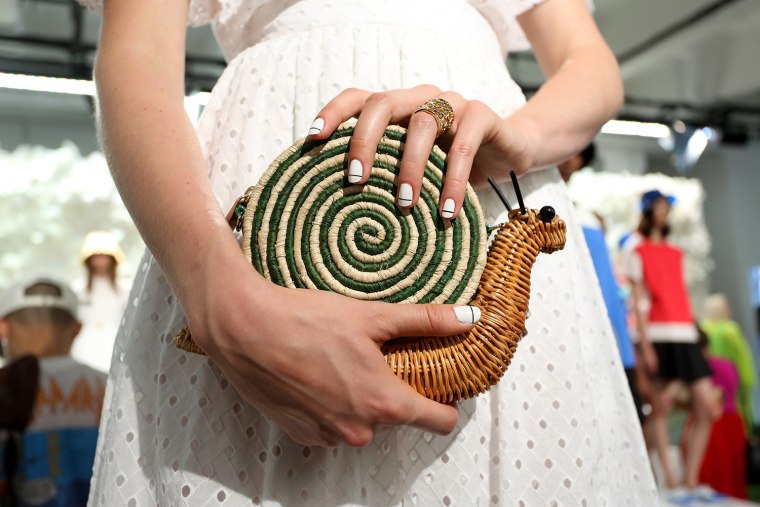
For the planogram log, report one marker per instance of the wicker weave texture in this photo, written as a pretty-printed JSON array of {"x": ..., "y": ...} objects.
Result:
[
  {"x": 310, "y": 229},
  {"x": 452, "y": 368},
  {"x": 305, "y": 227}
]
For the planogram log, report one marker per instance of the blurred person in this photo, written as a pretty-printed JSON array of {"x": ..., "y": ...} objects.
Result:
[
  {"x": 667, "y": 337},
  {"x": 726, "y": 340},
  {"x": 102, "y": 296},
  {"x": 18, "y": 390},
  {"x": 723, "y": 468},
  {"x": 593, "y": 233},
  {"x": 577, "y": 162},
  {"x": 38, "y": 317}
]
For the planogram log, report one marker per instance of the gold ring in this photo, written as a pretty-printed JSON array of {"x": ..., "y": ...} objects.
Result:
[{"x": 441, "y": 110}]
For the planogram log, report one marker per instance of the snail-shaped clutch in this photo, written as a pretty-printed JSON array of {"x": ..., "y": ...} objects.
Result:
[{"x": 305, "y": 227}]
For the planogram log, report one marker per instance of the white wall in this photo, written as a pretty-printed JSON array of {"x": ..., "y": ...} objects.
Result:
[{"x": 731, "y": 178}]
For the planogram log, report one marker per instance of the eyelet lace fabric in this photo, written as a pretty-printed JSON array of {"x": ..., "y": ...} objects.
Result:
[{"x": 559, "y": 429}]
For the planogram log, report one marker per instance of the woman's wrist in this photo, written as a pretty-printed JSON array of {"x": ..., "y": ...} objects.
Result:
[
  {"x": 525, "y": 134},
  {"x": 204, "y": 259}
]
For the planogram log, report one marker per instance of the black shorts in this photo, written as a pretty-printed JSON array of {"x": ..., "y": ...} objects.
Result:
[{"x": 681, "y": 361}]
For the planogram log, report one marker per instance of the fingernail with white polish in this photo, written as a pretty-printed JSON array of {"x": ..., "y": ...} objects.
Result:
[
  {"x": 467, "y": 314},
  {"x": 355, "y": 171},
  {"x": 317, "y": 127},
  {"x": 448, "y": 208},
  {"x": 405, "y": 194}
]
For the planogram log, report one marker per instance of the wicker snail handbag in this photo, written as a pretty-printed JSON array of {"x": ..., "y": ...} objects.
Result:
[{"x": 307, "y": 228}]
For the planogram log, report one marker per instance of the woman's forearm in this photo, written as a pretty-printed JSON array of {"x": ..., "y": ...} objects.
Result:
[
  {"x": 157, "y": 164},
  {"x": 567, "y": 112},
  {"x": 583, "y": 88}
]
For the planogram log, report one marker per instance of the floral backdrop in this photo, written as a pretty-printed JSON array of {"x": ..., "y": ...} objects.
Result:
[
  {"x": 615, "y": 196},
  {"x": 49, "y": 200}
]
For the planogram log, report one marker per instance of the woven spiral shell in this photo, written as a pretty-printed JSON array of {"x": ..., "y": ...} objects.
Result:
[{"x": 306, "y": 227}]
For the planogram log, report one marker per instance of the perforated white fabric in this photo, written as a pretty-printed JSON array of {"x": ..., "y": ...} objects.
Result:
[{"x": 559, "y": 429}]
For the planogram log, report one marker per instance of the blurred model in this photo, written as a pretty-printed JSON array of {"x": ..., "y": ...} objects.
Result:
[
  {"x": 103, "y": 297},
  {"x": 667, "y": 336}
]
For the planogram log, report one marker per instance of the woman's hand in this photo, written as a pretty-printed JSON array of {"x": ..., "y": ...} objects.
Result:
[
  {"x": 310, "y": 360},
  {"x": 479, "y": 142}
]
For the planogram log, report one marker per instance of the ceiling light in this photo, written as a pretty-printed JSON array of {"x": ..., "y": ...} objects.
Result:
[
  {"x": 47, "y": 84},
  {"x": 636, "y": 128}
]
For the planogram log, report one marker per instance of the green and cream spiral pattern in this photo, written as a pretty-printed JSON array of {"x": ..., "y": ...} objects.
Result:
[{"x": 306, "y": 227}]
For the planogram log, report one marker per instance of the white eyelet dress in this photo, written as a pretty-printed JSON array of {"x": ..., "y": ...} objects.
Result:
[{"x": 559, "y": 429}]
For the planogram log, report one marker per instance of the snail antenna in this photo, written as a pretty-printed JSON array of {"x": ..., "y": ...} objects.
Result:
[
  {"x": 513, "y": 175},
  {"x": 498, "y": 191}
]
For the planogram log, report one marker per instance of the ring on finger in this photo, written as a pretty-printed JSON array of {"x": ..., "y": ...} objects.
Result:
[{"x": 441, "y": 110}]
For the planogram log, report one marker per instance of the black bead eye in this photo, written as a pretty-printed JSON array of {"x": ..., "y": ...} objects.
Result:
[{"x": 547, "y": 214}]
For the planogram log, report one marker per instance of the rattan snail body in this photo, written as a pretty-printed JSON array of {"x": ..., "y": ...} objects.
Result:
[
  {"x": 307, "y": 179},
  {"x": 452, "y": 368}
]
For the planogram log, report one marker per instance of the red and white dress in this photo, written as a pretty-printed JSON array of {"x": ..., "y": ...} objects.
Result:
[{"x": 670, "y": 324}]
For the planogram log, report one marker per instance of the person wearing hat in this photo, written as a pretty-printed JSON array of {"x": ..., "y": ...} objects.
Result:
[
  {"x": 103, "y": 296},
  {"x": 38, "y": 318},
  {"x": 667, "y": 337}
]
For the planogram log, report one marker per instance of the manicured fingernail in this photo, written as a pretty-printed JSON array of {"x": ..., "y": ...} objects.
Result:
[
  {"x": 467, "y": 314},
  {"x": 405, "y": 194},
  {"x": 448, "y": 208},
  {"x": 317, "y": 127},
  {"x": 355, "y": 171}
]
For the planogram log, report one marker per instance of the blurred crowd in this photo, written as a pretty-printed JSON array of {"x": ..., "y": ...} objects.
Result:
[
  {"x": 673, "y": 362},
  {"x": 57, "y": 340}
]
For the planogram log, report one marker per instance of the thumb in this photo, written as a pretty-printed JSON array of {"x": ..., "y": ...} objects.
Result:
[{"x": 398, "y": 320}]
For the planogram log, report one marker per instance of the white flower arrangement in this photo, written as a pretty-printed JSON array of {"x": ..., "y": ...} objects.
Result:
[
  {"x": 49, "y": 200},
  {"x": 616, "y": 197}
]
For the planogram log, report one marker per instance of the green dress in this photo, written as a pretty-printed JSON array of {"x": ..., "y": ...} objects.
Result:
[{"x": 727, "y": 341}]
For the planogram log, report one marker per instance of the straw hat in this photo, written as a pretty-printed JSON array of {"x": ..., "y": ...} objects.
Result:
[{"x": 101, "y": 242}]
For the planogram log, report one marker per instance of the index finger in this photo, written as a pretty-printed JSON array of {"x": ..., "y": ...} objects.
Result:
[{"x": 428, "y": 415}]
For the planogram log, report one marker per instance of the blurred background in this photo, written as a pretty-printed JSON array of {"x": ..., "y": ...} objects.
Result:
[{"x": 690, "y": 127}]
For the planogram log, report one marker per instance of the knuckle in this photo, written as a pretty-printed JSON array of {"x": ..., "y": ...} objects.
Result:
[
  {"x": 385, "y": 324},
  {"x": 434, "y": 318},
  {"x": 387, "y": 411},
  {"x": 360, "y": 141},
  {"x": 429, "y": 88},
  {"x": 463, "y": 149},
  {"x": 378, "y": 99},
  {"x": 355, "y": 436},
  {"x": 452, "y": 96},
  {"x": 423, "y": 121},
  {"x": 477, "y": 106}
]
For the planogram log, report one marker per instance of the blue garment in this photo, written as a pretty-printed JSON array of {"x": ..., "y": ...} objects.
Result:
[
  {"x": 59, "y": 460},
  {"x": 53, "y": 464},
  {"x": 610, "y": 291}
]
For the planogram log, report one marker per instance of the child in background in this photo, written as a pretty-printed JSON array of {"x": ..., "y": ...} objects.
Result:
[
  {"x": 102, "y": 298},
  {"x": 724, "y": 464},
  {"x": 726, "y": 340},
  {"x": 38, "y": 317}
]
